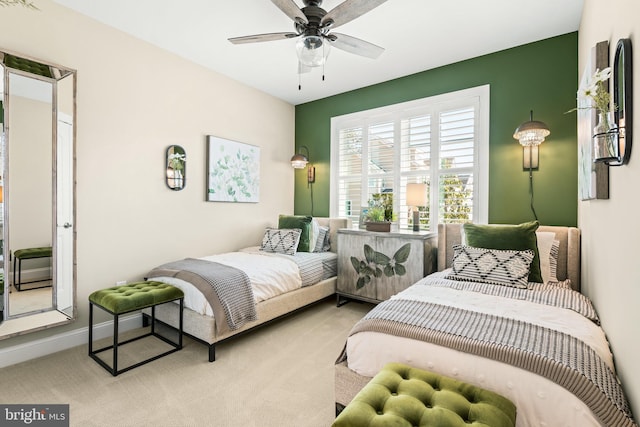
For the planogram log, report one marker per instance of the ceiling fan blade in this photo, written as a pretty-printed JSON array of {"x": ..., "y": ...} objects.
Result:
[
  {"x": 291, "y": 9},
  {"x": 262, "y": 38},
  {"x": 347, "y": 11},
  {"x": 355, "y": 45}
]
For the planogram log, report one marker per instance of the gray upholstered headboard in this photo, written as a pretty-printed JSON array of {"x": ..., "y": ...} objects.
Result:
[
  {"x": 334, "y": 224},
  {"x": 568, "y": 256}
]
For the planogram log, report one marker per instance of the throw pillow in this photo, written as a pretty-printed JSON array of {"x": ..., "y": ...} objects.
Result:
[
  {"x": 553, "y": 261},
  {"x": 492, "y": 266},
  {"x": 314, "y": 233},
  {"x": 545, "y": 241},
  {"x": 301, "y": 222},
  {"x": 507, "y": 237},
  {"x": 323, "y": 240},
  {"x": 280, "y": 240}
]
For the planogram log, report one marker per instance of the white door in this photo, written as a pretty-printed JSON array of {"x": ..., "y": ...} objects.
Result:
[{"x": 64, "y": 256}]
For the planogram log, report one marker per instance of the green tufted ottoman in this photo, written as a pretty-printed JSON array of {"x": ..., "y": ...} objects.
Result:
[
  {"x": 400, "y": 395},
  {"x": 125, "y": 299},
  {"x": 23, "y": 254}
]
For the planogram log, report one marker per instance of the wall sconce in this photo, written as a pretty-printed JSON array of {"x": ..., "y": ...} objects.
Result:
[
  {"x": 416, "y": 196},
  {"x": 531, "y": 134},
  {"x": 299, "y": 161},
  {"x": 176, "y": 167}
]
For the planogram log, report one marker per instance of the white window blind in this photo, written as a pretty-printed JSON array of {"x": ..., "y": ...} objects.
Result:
[{"x": 441, "y": 141}]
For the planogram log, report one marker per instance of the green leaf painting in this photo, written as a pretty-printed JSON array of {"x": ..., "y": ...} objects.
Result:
[
  {"x": 377, "y": 264},
  {"x": 233, "y": 171}
]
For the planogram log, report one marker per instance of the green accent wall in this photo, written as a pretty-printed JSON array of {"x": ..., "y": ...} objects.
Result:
[{"x": 539, "y": 76}]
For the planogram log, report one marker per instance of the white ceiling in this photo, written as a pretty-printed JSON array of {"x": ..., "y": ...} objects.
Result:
[{"x": 417, "y": 35}]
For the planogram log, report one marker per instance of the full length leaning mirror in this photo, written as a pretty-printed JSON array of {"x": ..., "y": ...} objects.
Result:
[{"x": 37, "y": 194}]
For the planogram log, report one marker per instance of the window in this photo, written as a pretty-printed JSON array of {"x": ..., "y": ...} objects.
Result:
[{"x": 442, "y": 141}]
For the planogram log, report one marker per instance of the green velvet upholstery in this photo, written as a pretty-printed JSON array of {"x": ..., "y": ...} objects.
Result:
[
  {"x": 515, "y": 237},
  {"x": 31, "y": 253},
  {"x": 303, "y": 223},
  {"x": 27, "y": 65},
  {"x": 400, "y": 395},
  {"x": 134, "y": 296}
]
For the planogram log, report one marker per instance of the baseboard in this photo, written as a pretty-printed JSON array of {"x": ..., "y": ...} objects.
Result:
[
  {"x": 35, "y": 274},
  {"x": 53, "y": 344}
]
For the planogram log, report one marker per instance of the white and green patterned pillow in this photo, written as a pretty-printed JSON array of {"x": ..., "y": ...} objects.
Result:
[
  {"x": 492, "y": 266},
  {"x": 281, "y": 240},
  {"x": 322, "y": 245}
]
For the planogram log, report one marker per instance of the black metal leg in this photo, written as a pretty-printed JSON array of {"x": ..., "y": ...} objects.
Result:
[
  {"x": 90, "y": 328},
  {"x": 181, "y": 323},
  {"x": 212, "y": 352},
  {"x": 115, "y": 345}
]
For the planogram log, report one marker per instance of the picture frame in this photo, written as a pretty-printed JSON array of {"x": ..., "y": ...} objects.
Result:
[{"x": 233, "y": 171}]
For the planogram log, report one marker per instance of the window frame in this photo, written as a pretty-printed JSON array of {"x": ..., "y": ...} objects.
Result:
[{"x": 478, "y": 97}]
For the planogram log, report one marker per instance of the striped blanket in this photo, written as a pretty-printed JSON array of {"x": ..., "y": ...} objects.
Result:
[
  {"x": 555, "y": 355},
  {"x": 226, "y": 288}
]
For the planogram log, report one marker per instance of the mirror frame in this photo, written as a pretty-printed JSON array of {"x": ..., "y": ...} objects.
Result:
[
  {"x": 623, "y": 99},
  {"x": 176, "y": 177},
  {"x": 43, "y": 319}
]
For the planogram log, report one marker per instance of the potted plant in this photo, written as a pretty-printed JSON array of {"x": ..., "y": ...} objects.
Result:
[{"x": 380, "y": 213}]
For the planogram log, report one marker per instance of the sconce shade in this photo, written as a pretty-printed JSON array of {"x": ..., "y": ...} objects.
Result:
[
  {"x": 299, "y": 161},
  {"x": 532, "y": 132},
  {"x": 416, "y": 194}
]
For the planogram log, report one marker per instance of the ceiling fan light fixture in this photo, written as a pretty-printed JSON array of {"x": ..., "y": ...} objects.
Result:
[{"x": 312, "y": 50}]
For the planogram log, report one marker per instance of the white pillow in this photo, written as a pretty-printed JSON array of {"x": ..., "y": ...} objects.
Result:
[
  {"x": 545, "y": 240},
  {"x": 314, "y": 232}
]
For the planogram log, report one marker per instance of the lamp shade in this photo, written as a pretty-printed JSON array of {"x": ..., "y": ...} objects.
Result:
[
  {"x": 299, "y": 161},
  {"x": 532, "y": 132},
  {"x": 416, "y": 194}
]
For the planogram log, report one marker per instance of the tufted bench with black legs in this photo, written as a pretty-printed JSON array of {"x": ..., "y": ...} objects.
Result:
[
  {"x": 125, "y": 299},
  {"x": 400, "y": 395},
  {"x": 24, "y": 254}
]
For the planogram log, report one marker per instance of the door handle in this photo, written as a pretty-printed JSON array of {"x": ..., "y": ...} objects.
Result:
[{"x": 67, "y": 225}]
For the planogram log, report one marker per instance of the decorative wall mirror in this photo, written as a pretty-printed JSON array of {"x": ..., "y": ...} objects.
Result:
[
  {"x": 37, "y": 152},
  {"x": 176, "y": 167},
  {"x": 622, "y": 99}
]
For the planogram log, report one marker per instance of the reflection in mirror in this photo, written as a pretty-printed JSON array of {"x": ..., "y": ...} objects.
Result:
[
  {"x": 176, "y": 167},
  {"x": 622, "y": 99},
  {"x": 38, "y": 194}
]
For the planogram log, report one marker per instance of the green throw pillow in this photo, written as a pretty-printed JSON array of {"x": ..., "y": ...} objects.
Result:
[
  {"x": 515, "y": 237},
  {"x": 303, "y": 223}
]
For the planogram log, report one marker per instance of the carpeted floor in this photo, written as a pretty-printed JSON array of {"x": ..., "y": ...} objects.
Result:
[{"x": 279, "y": 375}]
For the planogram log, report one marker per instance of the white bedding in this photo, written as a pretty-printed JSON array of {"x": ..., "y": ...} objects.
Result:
[
  {"x": 271, "y": 274},
  {"x": 539, "y": 401}
]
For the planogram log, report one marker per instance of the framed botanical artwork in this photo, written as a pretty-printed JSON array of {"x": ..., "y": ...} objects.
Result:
[{"x": 233, "y": 171}]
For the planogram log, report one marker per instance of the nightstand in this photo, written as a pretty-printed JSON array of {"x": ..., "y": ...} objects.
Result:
[{"x": 373, "y": 266}]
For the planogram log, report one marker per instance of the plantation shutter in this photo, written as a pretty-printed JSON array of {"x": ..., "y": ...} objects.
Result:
[
  {"x": 456, "y": 165},
  {"x": 435, "y": 141}
]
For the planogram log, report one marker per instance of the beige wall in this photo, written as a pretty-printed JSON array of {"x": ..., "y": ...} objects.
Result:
[
  {"x": 30, "y": 177},
  {"x": 610, "y": 265},
  {"x": 134, "y": 100}
]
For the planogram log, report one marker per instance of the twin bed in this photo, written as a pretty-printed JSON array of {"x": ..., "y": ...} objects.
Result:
[
  {"x": 281, "y": 284},
  {"x": 540, "y": 345}
]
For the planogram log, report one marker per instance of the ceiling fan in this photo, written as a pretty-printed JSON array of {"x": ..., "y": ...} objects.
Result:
[{"x": 314, "y": 26}]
